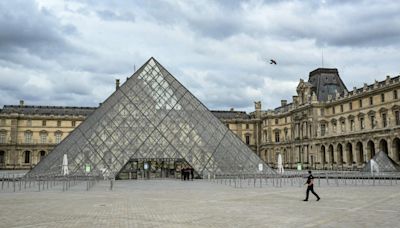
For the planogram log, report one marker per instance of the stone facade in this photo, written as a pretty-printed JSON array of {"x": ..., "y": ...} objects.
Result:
[
  {"x": 28, "y": 133},
  {"x": 324, "y": 127}
]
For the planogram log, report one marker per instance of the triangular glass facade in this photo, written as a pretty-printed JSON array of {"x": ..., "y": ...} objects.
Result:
[
  {"x": 384, "y": 163},
  {"x": 152, "y": 115}
]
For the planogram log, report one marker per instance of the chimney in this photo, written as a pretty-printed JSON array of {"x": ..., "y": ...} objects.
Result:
[
  {"x": 21, "y": 103},
  {"x": 116, "y": 84},
  {"x": 232, "y": 109},
  {"x": 283, "y": 103},
  {"x": 257, "y": 106}
]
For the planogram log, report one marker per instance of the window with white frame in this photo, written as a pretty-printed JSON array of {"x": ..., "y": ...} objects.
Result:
[
  {"x": 28, "y": 137},
  {"x": 58, "y": 137}
]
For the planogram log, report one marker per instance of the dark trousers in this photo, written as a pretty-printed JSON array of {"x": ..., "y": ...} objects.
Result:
[{"x": 311, "y": 188}]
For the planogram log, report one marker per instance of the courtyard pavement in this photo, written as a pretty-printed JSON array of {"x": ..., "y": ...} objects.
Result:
[{"x": 174, "y": 203}]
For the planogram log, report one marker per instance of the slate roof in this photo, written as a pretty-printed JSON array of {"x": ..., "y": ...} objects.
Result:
[
  {"x": 325, "y": 81},
  {"x": 230, "y": 114},
  {"x": 85, "y": 111},
  {"x": 47, "y": 110}
]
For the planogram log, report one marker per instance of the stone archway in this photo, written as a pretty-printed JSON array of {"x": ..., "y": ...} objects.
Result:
[
  {"x": 2, "y": 157},
  {"x": 349, "y": 154},
  {"x": 383, "y": 146},
  {"x": 370, "y": 150},
  {"x": 339, "y": 151},
  {"x": 331, "y": 155},
  {"x": 322, "y": 158},
  {"x": 396, "y": 149},
  {"x": 360, "y": 153},
  {"x": 42, "y": 154}
]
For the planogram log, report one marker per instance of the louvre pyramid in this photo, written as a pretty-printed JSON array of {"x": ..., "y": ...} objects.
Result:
[
  {"x": 385, "y": 164},
  {"x": 151, "y": 115}
]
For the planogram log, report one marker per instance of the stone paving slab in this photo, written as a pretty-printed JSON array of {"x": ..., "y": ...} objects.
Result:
[{"x": 173, "y": 203}]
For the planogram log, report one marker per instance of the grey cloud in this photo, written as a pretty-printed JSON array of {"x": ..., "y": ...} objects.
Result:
[
  {"x": 25, "y": 26},
  {"x": 111, "y": 16}
]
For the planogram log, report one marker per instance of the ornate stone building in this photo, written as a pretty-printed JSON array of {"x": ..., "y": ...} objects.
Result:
[{"x": 326, "y": 126}]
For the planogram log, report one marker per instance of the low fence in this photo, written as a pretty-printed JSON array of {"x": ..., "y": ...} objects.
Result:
[
  {"x": 19, "y": 182},
  {"x": 321, "y": 179}
]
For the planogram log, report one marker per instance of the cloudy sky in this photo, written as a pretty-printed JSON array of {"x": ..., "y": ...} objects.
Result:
[{"x": 71, "y": 52}]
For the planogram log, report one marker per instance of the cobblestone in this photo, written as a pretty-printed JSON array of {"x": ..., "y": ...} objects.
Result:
[{"x": 173, "y": 203}]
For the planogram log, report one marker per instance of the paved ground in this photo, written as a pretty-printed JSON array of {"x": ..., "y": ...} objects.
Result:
[{"x": 170, "y": 203}]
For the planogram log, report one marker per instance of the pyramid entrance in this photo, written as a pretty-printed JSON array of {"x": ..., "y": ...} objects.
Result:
[
  {"x": 151, "y": 117},
  {"x": 153, "y": 168}
]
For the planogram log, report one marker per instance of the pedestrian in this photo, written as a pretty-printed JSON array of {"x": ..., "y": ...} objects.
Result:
[
  {"x": 191, "y": 172},
  {"x": 186, "y": 173},
  {"x": 182, "y": 173},
  {"x": 310, "y": 186}
]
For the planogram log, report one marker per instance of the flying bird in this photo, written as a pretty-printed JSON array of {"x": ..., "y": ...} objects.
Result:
[{"x": 271, "y": 61}]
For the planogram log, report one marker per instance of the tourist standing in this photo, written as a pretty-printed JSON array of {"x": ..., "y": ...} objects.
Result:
[
  {"x": 191, "y": 173},
  {"x": 310, "y": 186}
]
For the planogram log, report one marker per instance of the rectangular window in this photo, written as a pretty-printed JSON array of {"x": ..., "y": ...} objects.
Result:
[
  {"x": 371, "y": 100},
  {"x": 247, "y": 126},
  {"x": 351, "y": 105},
  {"x": 341, "y": 108},
  {"x": 352, "y": 125},
  {"x": 44, "y": 123},
  {"x": 277, "y": 136},
  {"x": 248, "y": 139},
  {"x": 2, "y": 137},
  {"x": 58, "y": 137},
  {"x": 360, "y": 103},
  {"x": 362, "y": 124},
  {"x": 28, "y": 137},
  {"x": 323, "y": 129},
  {"x": 276, "y": 121},
  {"x": 59, "y": 123},
  {"x": 382, "y": 97},
  {"x": 395, "y": 96},
  {"x": 384, "y": 119},
  {"x": 372, "y": 118},
  {"x": 333, "y": 110},
  {"x": 43, "y": 138}
]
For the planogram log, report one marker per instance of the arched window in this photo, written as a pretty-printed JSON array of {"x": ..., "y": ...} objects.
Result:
[
  {"x": 2, "y": 157},
  {"x": 42, "y": 154},
  {"x": 27, "y": 155}
]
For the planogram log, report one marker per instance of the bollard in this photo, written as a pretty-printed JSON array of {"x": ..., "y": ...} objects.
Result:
[
  {"x": 111, "y": 184},
  {"x": 14, "y": 182}
]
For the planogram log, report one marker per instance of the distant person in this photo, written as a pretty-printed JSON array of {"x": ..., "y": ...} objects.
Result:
[
  {"x": 192, "y": 173},
  {"x": 182, "y": 173},
  {"x": 310, "y": 186}
]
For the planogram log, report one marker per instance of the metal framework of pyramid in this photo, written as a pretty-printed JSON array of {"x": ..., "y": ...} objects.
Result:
[
  {"x": 152, "y": 115},
  {"x": 384, "y": 163}
]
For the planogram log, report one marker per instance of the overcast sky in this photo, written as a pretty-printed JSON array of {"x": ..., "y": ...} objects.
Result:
[{"x": 70, "y": 52}]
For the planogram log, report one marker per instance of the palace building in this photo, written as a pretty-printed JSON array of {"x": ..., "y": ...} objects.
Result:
[{"x": 325, "y": 126}]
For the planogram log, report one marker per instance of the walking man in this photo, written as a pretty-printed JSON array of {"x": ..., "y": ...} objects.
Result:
[{"x": 310, "y": 186}]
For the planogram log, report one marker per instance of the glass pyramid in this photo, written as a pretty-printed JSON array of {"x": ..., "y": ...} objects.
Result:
[
  {"x": 151, "y": 115},
  {"x": 384, "y": 163}
]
